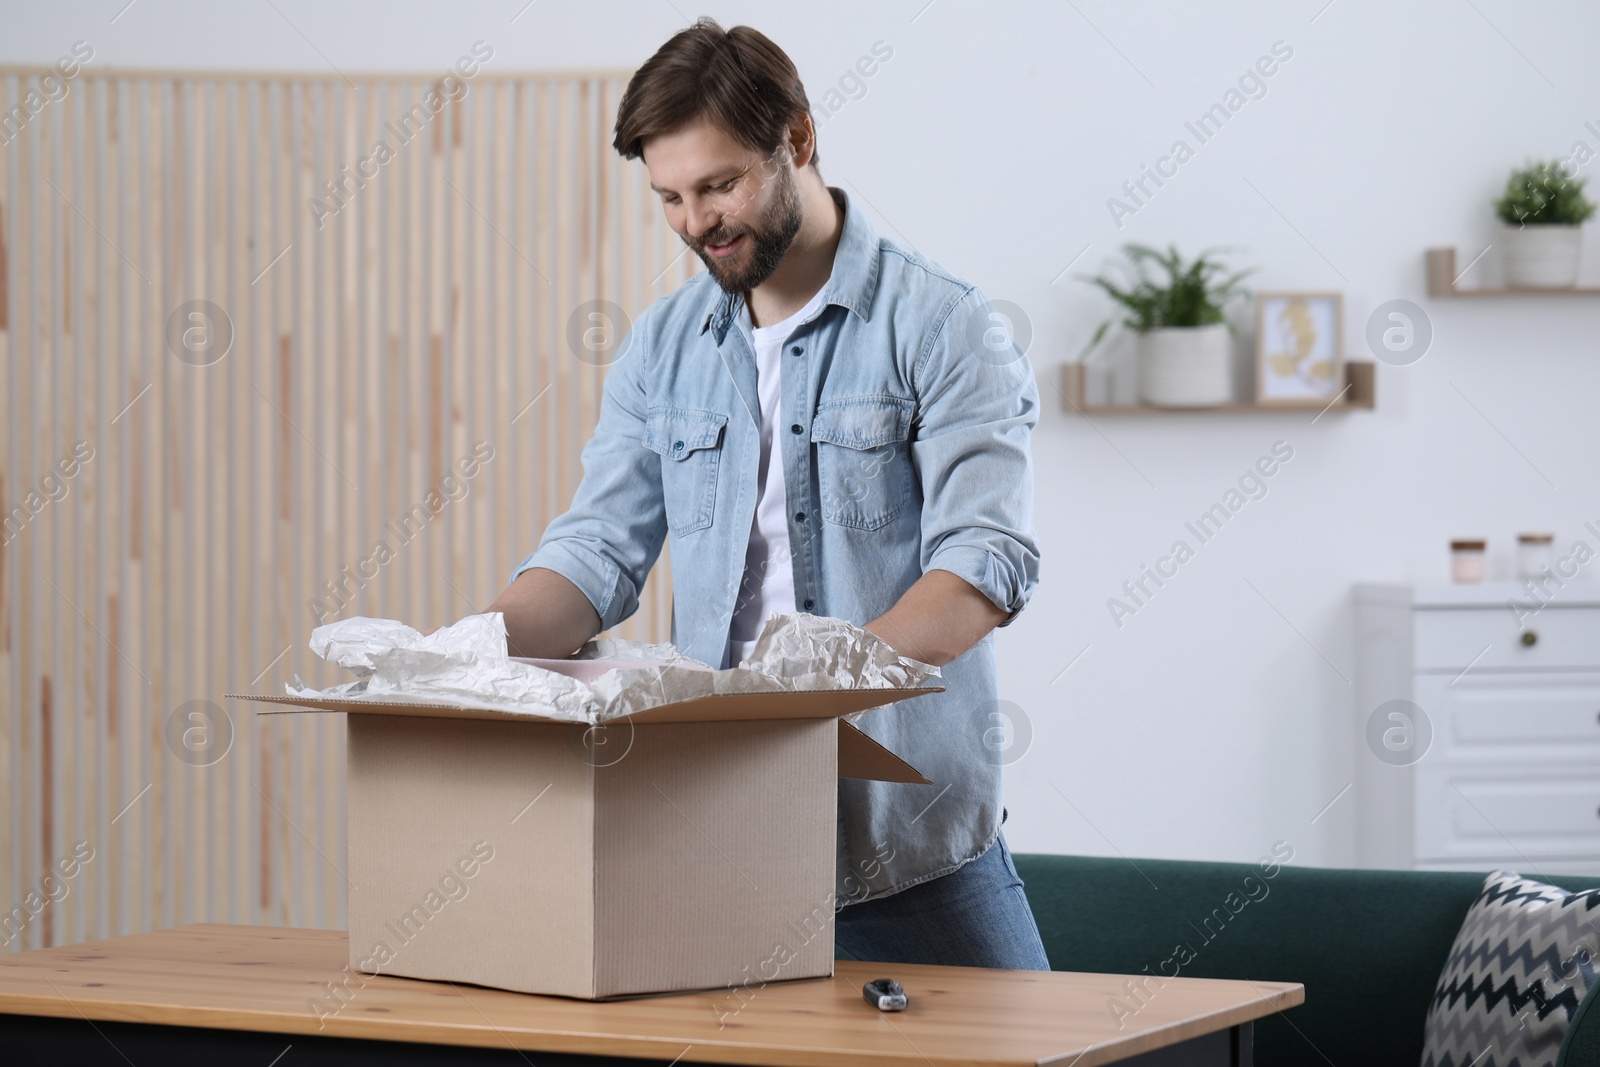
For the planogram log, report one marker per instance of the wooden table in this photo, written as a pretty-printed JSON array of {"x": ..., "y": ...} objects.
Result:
[{"x": 211, "y": 993}]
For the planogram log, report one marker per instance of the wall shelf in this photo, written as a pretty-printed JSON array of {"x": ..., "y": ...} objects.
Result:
[
  {"x": 1442, "y": 281},
  {"x": 1360, "y": 393}
]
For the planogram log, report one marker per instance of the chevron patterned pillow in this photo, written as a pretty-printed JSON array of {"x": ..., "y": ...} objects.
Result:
[{"x": 1519, "y": 968}]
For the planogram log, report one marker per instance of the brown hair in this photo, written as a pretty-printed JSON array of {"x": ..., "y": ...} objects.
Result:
[{"x": 738, "y": 79}]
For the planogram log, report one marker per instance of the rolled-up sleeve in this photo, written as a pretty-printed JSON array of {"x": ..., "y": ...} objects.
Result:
[
  {"x": 977, "y": 406},
  {"x": 609, "y": 539}
]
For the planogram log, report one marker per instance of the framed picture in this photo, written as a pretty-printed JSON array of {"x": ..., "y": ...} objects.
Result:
[{"x": 1299, "y": 348}]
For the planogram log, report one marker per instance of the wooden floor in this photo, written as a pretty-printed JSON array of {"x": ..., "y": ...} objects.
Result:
[{"x": 283, "y": 981}]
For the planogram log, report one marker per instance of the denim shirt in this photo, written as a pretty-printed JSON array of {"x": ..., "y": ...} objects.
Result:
[{"x": 906, "y": 412}]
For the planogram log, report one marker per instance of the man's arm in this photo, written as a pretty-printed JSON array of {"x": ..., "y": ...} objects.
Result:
[
  {"x": 977, "y": 406},
  {"x": 937, "y": 619},
  {"x": 547, "y": 617},
  {"x": 591, "y": 563}
]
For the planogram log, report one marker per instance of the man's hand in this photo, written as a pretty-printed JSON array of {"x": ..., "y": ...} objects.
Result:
[
  {"x": 547, "y": 617},
  {"x": 937, "y": 619}
]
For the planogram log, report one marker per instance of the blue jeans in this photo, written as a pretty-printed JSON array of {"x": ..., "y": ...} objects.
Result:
[{"x": 975, "y": 916}]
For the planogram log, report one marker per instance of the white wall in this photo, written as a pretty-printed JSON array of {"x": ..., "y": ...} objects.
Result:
[{"x": 1219, "y": 718}]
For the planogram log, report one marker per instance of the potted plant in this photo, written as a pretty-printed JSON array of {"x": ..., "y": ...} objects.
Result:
[
  {"x": 1184, "y": 346},
  {"x": 1543, "y": 210}
]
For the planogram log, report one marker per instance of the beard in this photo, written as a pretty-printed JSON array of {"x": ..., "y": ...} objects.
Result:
[{"x": 768, "y": 241}]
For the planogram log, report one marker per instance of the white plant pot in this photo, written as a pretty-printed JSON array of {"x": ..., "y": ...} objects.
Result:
[
  {"x": 1186, "y": 366},
  {"x": 1541, "y": 257}
]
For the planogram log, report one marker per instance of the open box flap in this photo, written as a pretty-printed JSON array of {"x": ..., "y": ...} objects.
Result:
[
  {"x": 413, "y": 706},
  {"x": 715, "y": 707},
  {"x": 861, "y": 756}
]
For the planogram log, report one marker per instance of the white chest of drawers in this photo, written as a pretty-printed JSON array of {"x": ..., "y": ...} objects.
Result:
[{"x": 1511, "y": 774}]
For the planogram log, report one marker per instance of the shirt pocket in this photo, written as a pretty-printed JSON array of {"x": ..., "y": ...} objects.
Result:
[
  {"x": 864, "y": 474},
  {"x": 689, "y": 442}
]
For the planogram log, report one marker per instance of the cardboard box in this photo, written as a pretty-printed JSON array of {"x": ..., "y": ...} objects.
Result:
[{"x": 689, "y": 846}]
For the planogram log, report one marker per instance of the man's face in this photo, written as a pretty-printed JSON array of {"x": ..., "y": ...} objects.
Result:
[{"x": 737, "y": 209}]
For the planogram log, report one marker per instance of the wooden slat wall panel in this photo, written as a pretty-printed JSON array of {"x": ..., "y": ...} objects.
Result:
[{"x": 216, "y": 503}]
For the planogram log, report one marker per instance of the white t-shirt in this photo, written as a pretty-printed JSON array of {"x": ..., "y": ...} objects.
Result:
[{"x": 768, "y": 584}]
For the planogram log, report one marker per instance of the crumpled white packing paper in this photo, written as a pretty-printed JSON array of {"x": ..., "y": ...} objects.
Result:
[{"x": 467, "y": 663}]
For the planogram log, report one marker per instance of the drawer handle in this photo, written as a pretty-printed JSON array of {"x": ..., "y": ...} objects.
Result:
[{"x": 1529, "y": 639}]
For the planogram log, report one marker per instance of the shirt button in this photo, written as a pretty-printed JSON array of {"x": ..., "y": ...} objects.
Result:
[
  {"x": 810, "y": 604},
  {"x": 796, "y": 428},
  {"x": 799, "y": 516},
  {"x": 677, "y": 446},
  {"x": 796, "y": 350}
]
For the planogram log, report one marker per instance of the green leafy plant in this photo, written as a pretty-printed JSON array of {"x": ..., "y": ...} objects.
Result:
[
  {"x": 1543, "y": 194},
  {"x": 1192, "y": 294}
]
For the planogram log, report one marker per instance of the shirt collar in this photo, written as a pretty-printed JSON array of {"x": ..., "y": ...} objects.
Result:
[{"x": 852, "y": 284}]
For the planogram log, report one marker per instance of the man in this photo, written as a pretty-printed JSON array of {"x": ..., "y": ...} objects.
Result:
[{"x": 823, "y": 422}]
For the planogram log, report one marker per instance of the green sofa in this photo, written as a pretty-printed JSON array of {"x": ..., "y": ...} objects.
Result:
[{"x": 1368, "y": 945}]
